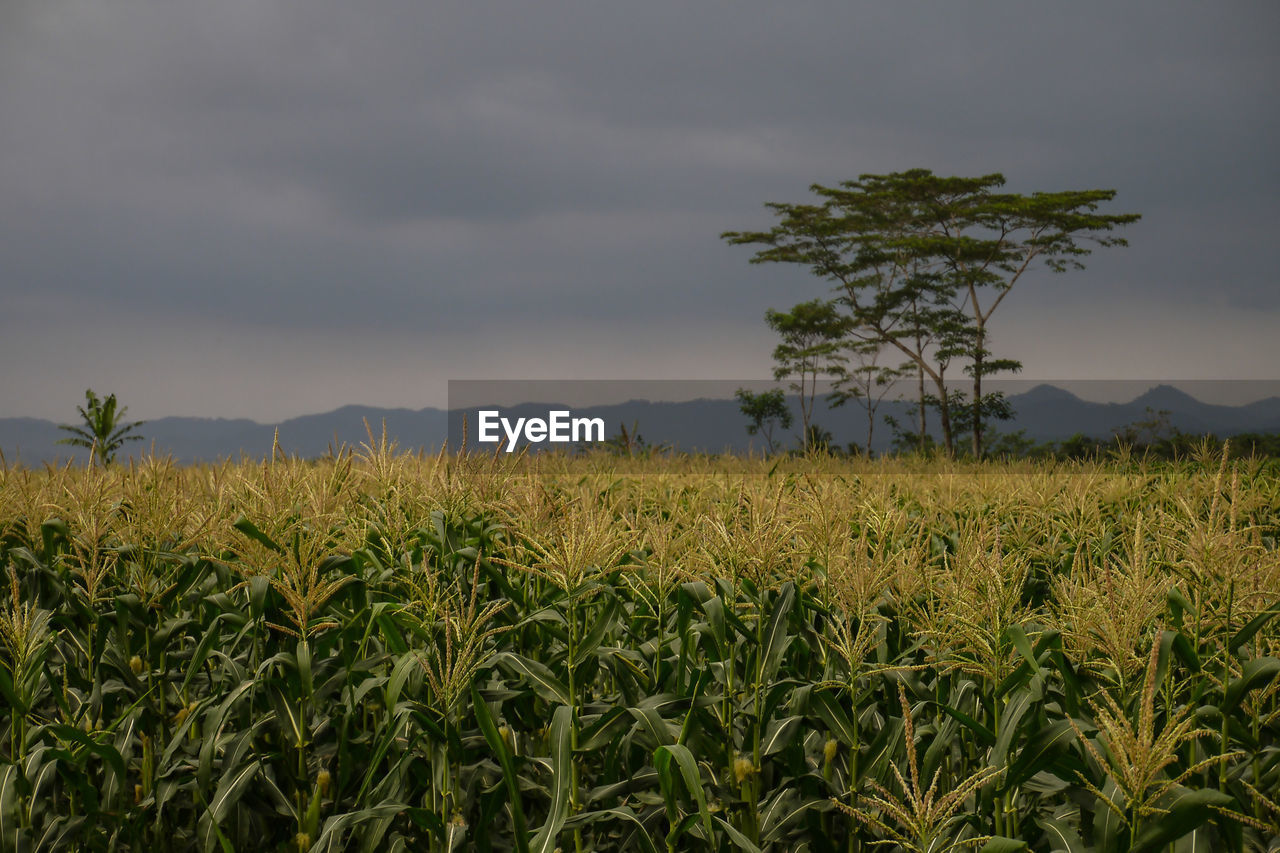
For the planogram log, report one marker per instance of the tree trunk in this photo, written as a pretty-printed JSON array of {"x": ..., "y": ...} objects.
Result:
[
  {"x": 871, "y": 422},
  {"x": 940, "y": 381},
  {"x": 806, "y": 408},
  {"x": 944, "y": 414},
  {"x": 923, "y": 411},
  {"x": 978, "y": 352}
]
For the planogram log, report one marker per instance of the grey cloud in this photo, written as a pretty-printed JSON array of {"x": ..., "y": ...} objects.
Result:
[{"x": 449, "y": 166}]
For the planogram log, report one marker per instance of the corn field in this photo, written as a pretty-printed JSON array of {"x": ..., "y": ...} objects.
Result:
[{"x": 384, "y": 651}]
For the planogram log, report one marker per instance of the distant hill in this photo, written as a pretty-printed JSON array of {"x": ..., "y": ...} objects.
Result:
[
  {"x": 1049, "y": 413},
  {"x": 1045, "y": 412},
  {"x": 208, "y": 439}
]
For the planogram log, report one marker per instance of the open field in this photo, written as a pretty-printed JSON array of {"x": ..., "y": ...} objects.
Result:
[{"x": 380, "y": 651}]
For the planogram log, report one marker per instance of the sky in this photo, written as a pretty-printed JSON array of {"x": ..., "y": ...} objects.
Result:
[{"x": 265, "y": 208}]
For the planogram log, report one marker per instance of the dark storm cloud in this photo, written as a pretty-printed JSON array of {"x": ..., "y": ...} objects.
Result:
[{"x": 401, "y": 167}]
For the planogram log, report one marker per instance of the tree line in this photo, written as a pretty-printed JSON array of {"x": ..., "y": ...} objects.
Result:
[{"x": 917, "y": 265}]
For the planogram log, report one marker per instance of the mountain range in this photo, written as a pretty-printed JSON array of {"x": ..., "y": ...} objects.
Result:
[{"x": 1044, "y": 412}]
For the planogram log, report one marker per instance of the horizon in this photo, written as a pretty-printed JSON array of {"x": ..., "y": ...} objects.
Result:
[{"x": 1230, "y": 394}]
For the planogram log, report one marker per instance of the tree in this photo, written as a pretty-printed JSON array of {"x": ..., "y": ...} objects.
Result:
[
  {"x": 923, "y": 261},
  {"x": 1151, "y": 429},
  {"x": 990, "y": 239},
  {"x": 867, "y": 381},
  {"x": 818, "y": 440},
  {"x": 994, "y": 407},
  {"x": 629, "y": 442},
  {"x": 886, "y": 279},
  {"x": 104, "y": 431},
  {"x": 812, "y": 333},
  {"x": 1016, "y": 445},
  {"x": 765, "y": 411},
  {"x": 905, "y": 441}
]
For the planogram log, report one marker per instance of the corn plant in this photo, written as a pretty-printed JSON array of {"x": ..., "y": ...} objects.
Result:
[{"x": 377, "y": 650}]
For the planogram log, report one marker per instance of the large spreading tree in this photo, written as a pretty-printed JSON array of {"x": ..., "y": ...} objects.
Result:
[{"x": 921, "y": 262}]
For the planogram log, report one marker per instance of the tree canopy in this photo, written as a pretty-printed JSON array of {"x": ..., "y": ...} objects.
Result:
[
  {"x": 811, "y": 347},
  {"x": 765, "y": 410},
  {"x": 920, "y": 262}
]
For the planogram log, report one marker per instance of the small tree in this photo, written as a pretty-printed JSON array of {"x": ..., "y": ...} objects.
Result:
[
  {"x": 1149, "y": 430},
  {"x": 867, "y": 381},
  {"x": 994, "y": 407},
  {"x": 905, "y": 440},
  {"x": 818, "y": 440},
  {"x": 104, "y": 431},
  {"x": 765, "y": 410},
  {"x": 629, "y": 442},
  {"x": 812, "y": 335}
]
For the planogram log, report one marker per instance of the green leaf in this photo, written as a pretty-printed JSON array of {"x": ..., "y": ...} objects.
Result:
[
  {"x": 334, "y": 826},
  {"x": 1252, "y": 627},
  {"x": 689, "y": 773},
  {"x": 408, "y": 664},
  {"x": 1061, "y": 835},
  {"x": 714, "y": 610},
  {"x": 1000, "y": 844},
  {"x": 10, "y": 778},
  {"x": 1040, "y": 752},
  {"x": 561, "y": 777},
  {"x": 248, "y": 528},
  {"x": 827, "y": 707},
  {"x": 775, "y": 820},
  {"x": 603, "y": 731},
  {"x": 1179, "y": 605},
  {"x": 641, "y": 836},
  {"x": 641, "y": 780},
  {"x": 588, "y": 645},
  {"x": 51, "y": 532},
  {"x": 1185, "y": 652},
  {"x": 654, "y": 724},
  {"x": 105, "y": 751},
  {"x": 212, "y": 728},
  {"x": 1014, "y": 710},
  {"x": 667, "y": 784},
  {"x": 229, "y": 791},
  {"x": 540, "y": 678},
  {"x": 374, "y": 772},
  {"x": 1018, "y": 637},
  {"x": 1072, "y": 694},
  {"x": 1109, "y": 831},
  {"x": 212, "y": 637},
  {"x": 984, "y": 734},
  {"x": 16, "y": 705},
  {"x": 776, "y": 638},
  {"x": 881, "y": 748},
  {"x": 288, "y": 715},
  {"x": 1188, "y": 810},
  {"x": 736, "y": 837},
  {"x": 779, "y": 734},
  {"x": 509, "y": 778},
  {"x": 1256, "y": 673},
  {"x": 302, "y": 656}
]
